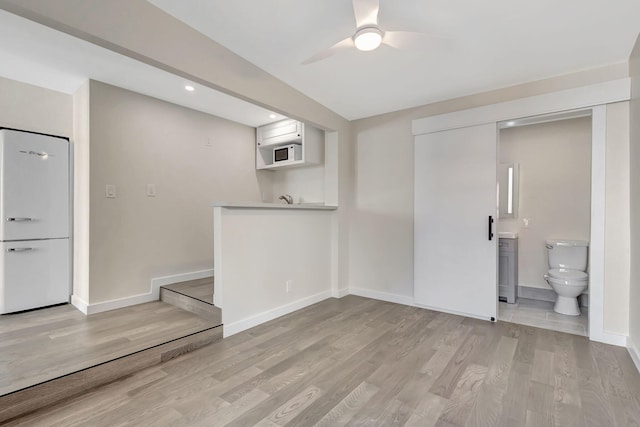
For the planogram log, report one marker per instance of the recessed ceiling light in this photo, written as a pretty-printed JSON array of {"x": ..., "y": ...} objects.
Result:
[
  {"x": 190, "y": 88},
  {"x": 272, "y": 116}
]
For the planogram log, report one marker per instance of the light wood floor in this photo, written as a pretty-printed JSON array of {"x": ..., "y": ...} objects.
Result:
[
  {"x": 40, "y": 345},
  {"x": 364, "y": 362},
  {"x": 200, "y": 289}
]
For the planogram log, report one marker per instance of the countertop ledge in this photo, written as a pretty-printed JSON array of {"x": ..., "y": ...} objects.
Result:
[{"x": 309, "y": 207}]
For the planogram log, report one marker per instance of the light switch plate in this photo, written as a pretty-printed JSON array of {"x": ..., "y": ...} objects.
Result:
[
  {"x": 110, "y": 191},
  {"x": 151, "y": 190}
]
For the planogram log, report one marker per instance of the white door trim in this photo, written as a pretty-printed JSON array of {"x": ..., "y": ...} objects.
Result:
[
  {"x": 570, "y": 99},
  {"x": 597, "y": 237}
]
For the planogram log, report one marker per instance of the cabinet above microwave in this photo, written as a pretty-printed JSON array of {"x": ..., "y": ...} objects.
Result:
[
  {"x": 308, "y": 141},
  {"x": 284, "y": 131}
]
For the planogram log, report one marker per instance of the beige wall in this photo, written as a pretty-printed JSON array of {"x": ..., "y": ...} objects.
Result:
[
  {"x": 28, "y": 107},
  {"x": 634, "y": 300},
  {"x": 137, "y": 140},
  {"x": 555, "y": 189}
]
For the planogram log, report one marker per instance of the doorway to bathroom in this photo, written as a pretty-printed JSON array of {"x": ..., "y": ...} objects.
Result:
[{"x": 544, "y": 203}]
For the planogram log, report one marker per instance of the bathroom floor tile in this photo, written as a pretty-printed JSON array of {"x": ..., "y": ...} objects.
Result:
[{"x": 540, "y": 314}]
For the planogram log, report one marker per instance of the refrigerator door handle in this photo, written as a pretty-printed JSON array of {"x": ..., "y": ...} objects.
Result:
[
  {"x": 18, "y": 219},
  {"x": 19, "y": 249}
]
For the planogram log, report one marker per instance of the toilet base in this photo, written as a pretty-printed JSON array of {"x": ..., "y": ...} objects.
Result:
[{"x": 567, "y": 306}]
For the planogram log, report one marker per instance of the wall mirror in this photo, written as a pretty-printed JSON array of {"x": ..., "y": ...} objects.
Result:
[{"x": 508, "y": 179}]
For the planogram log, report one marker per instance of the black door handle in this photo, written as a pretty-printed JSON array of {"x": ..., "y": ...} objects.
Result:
[{"x": 490, "y": 227}]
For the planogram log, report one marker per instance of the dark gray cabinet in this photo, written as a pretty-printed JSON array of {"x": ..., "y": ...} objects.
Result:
[{"x": 508, "y": 270}]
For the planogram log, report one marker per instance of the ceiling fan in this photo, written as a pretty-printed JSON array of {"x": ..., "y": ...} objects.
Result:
[{"x": 368, "y": 35}]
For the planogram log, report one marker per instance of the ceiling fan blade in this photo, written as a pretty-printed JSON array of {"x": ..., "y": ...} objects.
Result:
[
  {"x": 341, "y": 45},
  {"x": 410, "y": 40},
  {"x": 366, "y": 12}
]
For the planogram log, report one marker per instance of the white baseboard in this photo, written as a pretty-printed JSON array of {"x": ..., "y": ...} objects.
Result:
[
  {"x": 339, "y": 293},
  {"x": 634, "y": 353},
  {"x": 79, "y": 303},
  {"x": 152, "y": 295},
  {"x": 382, "y": 296},
  {"x": 265, "y": 316},
  {"x": 609, "y": 338},
  {"x": 177, "y": 278}
]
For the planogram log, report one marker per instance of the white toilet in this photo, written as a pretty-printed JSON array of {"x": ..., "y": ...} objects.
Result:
[{"x": 566, "y": 275}]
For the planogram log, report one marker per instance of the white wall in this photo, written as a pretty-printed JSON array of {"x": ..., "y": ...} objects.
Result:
[
  {"x": 137, "y": 140},
  {"x": 381, "y": 226},
  {"x": 305, "y": 185},
  {"x": 634, "y": 297},
  {"x": 554, "y": 191},
  {"x": 205, "y": 62},
  {"x": 384, "y": 155},
  {"x": 27, "y": 107},
  {"x": 258, "y": 250},
  {"x": 618, "y": 221},
  {"x": 81, "y": 194}
]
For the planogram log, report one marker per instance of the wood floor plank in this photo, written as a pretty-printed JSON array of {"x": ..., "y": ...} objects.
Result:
[
  {"x": 543, "y": 367},
  {"x": 342, "y": 413},
  {"x": 464, "y": 395},
  {"x": 448, "y": 380},
  {"x": 514, "y": 402},
  {"x": 427, "y": 412},
  {"x": 356, "y": 361},
  {"x": 58, "y": 341},
  {"x": 488, "y": 405},
  {"x": 294, "y": 406}
]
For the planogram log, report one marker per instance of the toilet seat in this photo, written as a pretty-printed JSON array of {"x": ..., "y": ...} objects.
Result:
[{"x": 569, "y": 276}]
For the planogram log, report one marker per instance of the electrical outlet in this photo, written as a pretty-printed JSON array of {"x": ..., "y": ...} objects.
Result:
[
  {"x": 525, "y": 222},
  {"x": 288, "y": 285}
]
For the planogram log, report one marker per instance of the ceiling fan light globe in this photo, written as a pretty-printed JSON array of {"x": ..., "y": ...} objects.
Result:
[{"x": 367, "y": 39}]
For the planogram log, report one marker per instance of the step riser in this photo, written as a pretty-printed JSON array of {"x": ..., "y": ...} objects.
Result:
[
  {"x": 25, "y": 401},
  {"x": 195, "y": 306}
]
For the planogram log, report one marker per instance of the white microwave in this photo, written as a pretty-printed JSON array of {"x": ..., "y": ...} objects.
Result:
[{"x": 287, "y": 153}]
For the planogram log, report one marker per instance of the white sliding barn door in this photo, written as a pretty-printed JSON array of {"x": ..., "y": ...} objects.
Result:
[{"x": 455, "y": 193}]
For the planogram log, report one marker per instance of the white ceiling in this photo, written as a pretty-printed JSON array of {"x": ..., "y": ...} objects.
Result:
[
  {"x": 38, "y": 55},
  {"x": 489, "y": 45}
]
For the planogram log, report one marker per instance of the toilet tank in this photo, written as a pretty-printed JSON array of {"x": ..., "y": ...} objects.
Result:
[{"x": 570, "y": 254}]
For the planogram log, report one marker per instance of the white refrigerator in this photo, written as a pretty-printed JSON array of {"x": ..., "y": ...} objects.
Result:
[{"x": 34, "y": 220}]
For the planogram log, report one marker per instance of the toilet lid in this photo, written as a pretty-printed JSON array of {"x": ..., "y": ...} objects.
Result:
[{"x": 564, "y": 274}]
